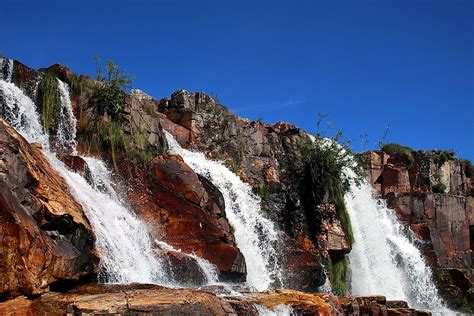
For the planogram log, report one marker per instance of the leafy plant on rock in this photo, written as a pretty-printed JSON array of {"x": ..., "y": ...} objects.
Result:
[{"x": 108, "y": 96}]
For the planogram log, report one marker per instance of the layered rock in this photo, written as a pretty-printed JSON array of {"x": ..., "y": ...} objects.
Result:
[
  {"x": 433, "y": 196},
  {"x": 157, "y": 300},
  {"x": 266, "y": 157},
  {"x": 187, "y": 211},
  {"x": 45, "y": 237}
]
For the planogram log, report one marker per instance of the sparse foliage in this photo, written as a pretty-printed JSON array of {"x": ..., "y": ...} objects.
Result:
[
  {"x": 406, "y": 153},
  {"x": 108, "y": 96},
  {"x": 331, "y": 167}
]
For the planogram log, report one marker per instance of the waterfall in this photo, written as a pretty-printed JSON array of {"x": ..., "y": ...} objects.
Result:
[
  {"x": 383, "y": 260},
  {"x": 6, "y": 69},
  {"x": 20, "y": 111},
  {"x": 124, "y": 242},
  {"x": 67, "y": 121},
  {"x": 255, "y": 235}
]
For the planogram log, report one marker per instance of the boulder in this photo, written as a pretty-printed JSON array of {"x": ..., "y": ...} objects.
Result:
[
  {"x": 187, "y": 212},
  {"x": 45, "y": 236}
]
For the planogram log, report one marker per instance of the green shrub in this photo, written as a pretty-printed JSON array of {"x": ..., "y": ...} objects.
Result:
[
  {"x": 108, "y": 96},
  {"x": 50, "y": 99},
  {"x": 392, "y": 149},
  {"x": 337, "y": 274},
  {"x": 406, "y": 153},
  {"x": 468, "y": 168},
  {"x": 324, "y": 163},
  {"x": 104, "y": 131},
  {"x": 439, "y": 188},
  {"x": 443, "y": 156},
  {"x": 109, "y": 137}
]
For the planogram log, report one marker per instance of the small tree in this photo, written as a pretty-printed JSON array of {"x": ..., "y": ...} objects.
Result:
[{"x": 108, "y": 97}]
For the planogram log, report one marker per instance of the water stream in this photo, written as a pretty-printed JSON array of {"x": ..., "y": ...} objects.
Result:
[
  {"x": 255, "y": 235},
  {"x": 383, "y": 259}
]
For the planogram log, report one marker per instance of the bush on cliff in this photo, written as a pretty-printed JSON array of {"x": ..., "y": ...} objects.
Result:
[
  {"x": 403, "y": 151},
  {"x": 439, "y": 188},
  {"x": 442, "y": 156},
  {"x": 104, "y": 130},
  {"x": 108, "y": 96},
  {"x": 468, "y": 168},
  {"x": 329, "y": 168}
]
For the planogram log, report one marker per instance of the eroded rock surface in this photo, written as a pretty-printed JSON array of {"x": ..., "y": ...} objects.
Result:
[
  {"x": 264, "y": 156},
  {"x": 157, "y": 300},
  {"x": 44, "y": 235},
  {"x": 187, "y": 211},
  {"x": 433, "y": 197}
]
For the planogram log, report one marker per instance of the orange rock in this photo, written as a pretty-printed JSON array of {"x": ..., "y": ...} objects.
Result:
[
  {"x": 44, "y": 234},
  {"x": 183, "y": 210}
]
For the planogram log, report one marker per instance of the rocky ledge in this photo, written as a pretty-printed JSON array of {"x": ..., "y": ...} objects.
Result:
[{"x": 158, "y": 300}]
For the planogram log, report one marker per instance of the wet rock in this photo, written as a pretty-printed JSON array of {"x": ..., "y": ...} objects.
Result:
[
  {"x": 76, "y": 164},
  {"x": 183, "y": 268},
  {"x": 44, "y": 234},
  {"x": 185, "y": 211},
  {"x": 260, "y": 154}
]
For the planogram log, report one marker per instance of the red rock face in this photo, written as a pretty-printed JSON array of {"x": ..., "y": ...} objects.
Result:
[
  {"x": 186, "y": 212},
  {"x": 44, "y": 235},
  {"x": 442, "y": 220}
]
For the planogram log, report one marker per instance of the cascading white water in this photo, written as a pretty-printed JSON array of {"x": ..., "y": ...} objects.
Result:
[
  {"x": 123, "y": 240},
  {"x": 20, "y": 111},
  {"x": 383, "y": 260},
  {"x": 67, "y": 121},
  {"x": 279, "y": 310},
  {"x": 255, "y": 235}
]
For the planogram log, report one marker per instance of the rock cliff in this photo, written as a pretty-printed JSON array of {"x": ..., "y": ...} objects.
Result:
[
  {"x": 48, "y": 245},
  {"x": 433, "y": 196},
  {"x": 45, "y": 237}
]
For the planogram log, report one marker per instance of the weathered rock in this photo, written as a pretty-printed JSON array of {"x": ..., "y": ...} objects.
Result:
[
  {"x": 262, "y": 155},
  {"x": 76, "y": 164},
  {"x": 140, "y": 121},
  {"x": 25, "y": 78},
  {"x": 443, "y": 221},
  {"x": 147, "y": 299},
  {"x": 183, "y": 268},
  {"x": 187, "y": 212},
  {"x": 45, "y": 236}
]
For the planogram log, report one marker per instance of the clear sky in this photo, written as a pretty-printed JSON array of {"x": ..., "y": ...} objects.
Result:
[{"x": 366, "y": 64}]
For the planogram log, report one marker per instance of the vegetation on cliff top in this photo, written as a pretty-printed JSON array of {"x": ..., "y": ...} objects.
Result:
[
  {"x": 108, "y": 96},
  {"x": 406, "y": 153}
]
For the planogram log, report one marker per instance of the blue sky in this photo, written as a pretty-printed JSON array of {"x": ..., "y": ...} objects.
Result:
[{"x": 367, "y": 64}]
